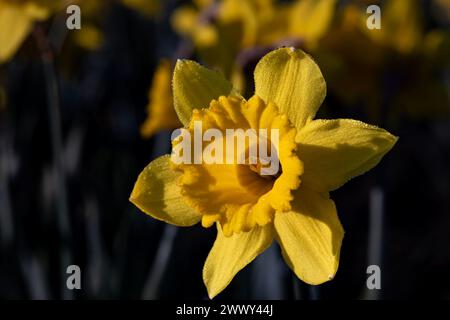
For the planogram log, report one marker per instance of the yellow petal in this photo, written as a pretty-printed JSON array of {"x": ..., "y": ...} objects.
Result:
[
  {"x": 157, "y": 194},
  {"x": 310, "y": 236},
  {"x": 334, "y": 151},
  {"x": 231, "y": 254},
  {"x": 15, "y": 25},
  {"x": 195, "y": 86},
  {"x": 293, "y": 81}
]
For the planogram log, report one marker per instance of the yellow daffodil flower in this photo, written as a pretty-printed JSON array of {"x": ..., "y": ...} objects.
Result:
[
  {"x": 161, "y": 113},
  {"x": 16, "y": 22},
  {"x": 250, "y": 211}
]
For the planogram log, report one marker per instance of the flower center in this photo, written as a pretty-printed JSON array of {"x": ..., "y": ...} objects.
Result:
[{"x": 248, "y": 186}]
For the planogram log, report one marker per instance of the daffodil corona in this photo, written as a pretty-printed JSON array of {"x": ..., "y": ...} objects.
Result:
[
  {"x": 235, "y": 146},
  {"x": 252, "y": 210}
]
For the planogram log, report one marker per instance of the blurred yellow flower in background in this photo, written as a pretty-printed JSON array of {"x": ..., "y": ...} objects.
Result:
[
  {"x": 18, "y": 17},
  {"x": 221, "y": 30},
  {"x": 90, "y": 36},
  {"x": 16, "y": 22},
  {"x": 187, "y": 21},
  {"x": 250, "y": 211},
  {"x": 311, "y": 19},
  {"x": 358, "y": 62},
  {"x": 160, "y": 110},
  {"x": 355, "y": 59},
  {"x": 402, "y": 27},
  {"x": 256, "y": 22},
  {"x": 351, "y": 61}
]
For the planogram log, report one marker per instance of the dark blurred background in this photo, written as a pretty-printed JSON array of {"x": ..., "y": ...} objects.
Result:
[{"x": 71, "y": 148}]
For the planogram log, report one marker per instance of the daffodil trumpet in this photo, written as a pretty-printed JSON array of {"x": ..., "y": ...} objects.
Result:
[
  {"x": 250, "y": 211},
  {"x": 238, "y": 146}
]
